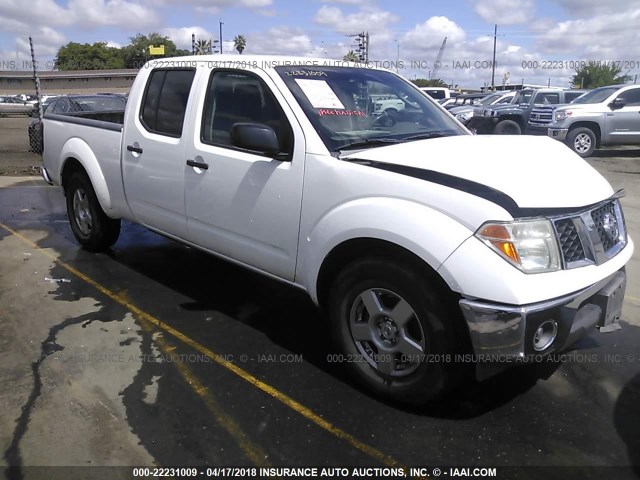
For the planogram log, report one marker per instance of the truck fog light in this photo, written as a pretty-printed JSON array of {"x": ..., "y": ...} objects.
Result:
[{"x": 545, "y": 335}]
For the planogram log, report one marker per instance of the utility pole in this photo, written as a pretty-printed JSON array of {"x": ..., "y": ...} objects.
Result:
[
  {"x": 362, "y": 46},
  {"x": 221, "y": 37},
  {"x": 193, "y": 44},
  {"x": 493, "y": 66}
]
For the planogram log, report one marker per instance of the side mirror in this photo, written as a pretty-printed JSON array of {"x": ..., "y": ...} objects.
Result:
[
  {"x": 255, "y": 137},
  {"x": 617, "y": 104}
]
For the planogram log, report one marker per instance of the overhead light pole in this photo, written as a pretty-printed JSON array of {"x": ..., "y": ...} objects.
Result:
[
  {"x": 221, "y": 23},
  {"x": 493, "y": 66}
]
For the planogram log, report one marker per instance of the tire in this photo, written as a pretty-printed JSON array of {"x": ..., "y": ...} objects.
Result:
[
  {"x": 388, "y": 118},
  {"x": 582, "y": 140},
  {"x": 411, "y": 364},
  {"x": 93, "y": 229},
  {"x": 507, "y": 127}
]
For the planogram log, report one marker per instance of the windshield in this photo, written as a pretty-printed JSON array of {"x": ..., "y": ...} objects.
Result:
[
  {"x": 100, "y": 103},
  {"x": 596, "y": 96},
  {"x": 489, "y": 99},
  {"x": 523, "y": 97},
  {"x": 348, "y": 106}
]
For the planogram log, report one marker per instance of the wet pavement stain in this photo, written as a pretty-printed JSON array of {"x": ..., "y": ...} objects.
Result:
[{"x": 48, "y": 346}]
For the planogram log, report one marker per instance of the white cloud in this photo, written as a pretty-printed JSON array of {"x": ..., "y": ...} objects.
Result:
[
  {"x": 120, "y": 13},
  {"x": 182, "y": 36},
  {"x": 85, "y": 14},
  {"x": 46, "y": 42},
  {"x": 505, "y": 12},
  {"x": 349, "y": 2},
  {"x": 215, "y": 6},
  {"x": 281, "y": 41},
  {"x": 587, "y": 8},
  {"x": 369, "y": 19},
  {"x": 38, "y": 12},
  {"x": 431, "y": 33},
  {"x": 617, "y": 34}
]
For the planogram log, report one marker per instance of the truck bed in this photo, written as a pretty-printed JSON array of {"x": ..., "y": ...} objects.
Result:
[{"x": 88, "y": 137}]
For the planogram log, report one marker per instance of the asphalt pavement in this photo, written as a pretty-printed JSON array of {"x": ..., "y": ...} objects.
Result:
[{"x": 158, "y": 354}]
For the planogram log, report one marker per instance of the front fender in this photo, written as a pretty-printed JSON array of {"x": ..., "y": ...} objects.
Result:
[
  {"x": 78, "y": 149},
  {"x": 427, "y": 233}
]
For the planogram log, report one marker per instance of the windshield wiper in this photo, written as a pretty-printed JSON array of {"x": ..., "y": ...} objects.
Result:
[
  {"x": 370, "y": 142},
  {"x": 426, "y": 135}
]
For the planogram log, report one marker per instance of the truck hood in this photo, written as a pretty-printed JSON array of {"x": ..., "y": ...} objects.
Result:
[
  {"x": 464, "y": 109},
  {"x": 577, "y": 106},
  {"x": 528, "y": 173}
]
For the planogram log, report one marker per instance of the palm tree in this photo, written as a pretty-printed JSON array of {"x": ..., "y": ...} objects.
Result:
[
  {"x": 240, "y": 43},
  {"x": 203, "y": 47},
  {"x": 351, "y": 56}
]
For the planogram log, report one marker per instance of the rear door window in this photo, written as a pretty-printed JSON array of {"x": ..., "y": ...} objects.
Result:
[{"x": 165, "y": 101}]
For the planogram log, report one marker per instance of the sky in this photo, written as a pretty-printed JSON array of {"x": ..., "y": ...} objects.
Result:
[{"x": 539, "y": 42}]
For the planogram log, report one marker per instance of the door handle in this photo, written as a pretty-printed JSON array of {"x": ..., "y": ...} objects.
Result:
[
  {"x": 133, "y": 149},
  {"x": 202, "y": 165}
]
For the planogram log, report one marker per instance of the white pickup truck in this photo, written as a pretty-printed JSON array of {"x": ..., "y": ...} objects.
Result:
[{"x": 420, "y": 240}]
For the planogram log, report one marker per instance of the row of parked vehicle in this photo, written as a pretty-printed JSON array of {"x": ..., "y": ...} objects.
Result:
[
  {"x": 16, "y": 105},
  {"x": 582, "y": 119}
]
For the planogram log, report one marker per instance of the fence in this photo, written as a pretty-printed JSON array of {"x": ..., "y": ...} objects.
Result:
[{"x": 20, "y": 144}]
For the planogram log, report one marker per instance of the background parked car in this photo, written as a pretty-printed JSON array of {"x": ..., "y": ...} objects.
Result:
[
  {"x": 465, "y": 112},
  {"x": 512, "y": 119},
  {"x": 465, "y": 100},
  {"x": 437, "y": 92},
  {"x": 14, "y": 106},
  {"x": 604, "y": 116},
  {"x": 71, "y": 105}
]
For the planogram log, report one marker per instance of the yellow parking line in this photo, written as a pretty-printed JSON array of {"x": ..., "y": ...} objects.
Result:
[
  {"x": 266, "y": 388},
  {"x": 256, "y": 454}
]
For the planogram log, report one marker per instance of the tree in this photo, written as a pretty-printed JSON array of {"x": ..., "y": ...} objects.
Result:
[
  {"x": 351, "y": 56},
  {"x": 240, "y": 43},
  {"x": 88, "y": 56},
  {"x": 137, "y": 51},
  {"x": 596, "y": 74},
  {"x": 434, "y": 82},
  {"x": 203, "y": 47}
]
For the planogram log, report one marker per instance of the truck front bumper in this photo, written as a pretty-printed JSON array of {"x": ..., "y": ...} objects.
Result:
[
  {"x": 558, "y": 133},
  {"x": 503, "y": 335}
]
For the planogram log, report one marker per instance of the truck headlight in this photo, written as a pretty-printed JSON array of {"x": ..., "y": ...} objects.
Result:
[
  {"x": 561, "y": 115},
  {"x": 530, "y": 245},
  {"x": 464, "y": 117}
]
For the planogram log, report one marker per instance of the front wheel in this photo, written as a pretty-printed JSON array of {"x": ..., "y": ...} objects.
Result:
[
  {"x": 392, "y": 331},
  {"x": 93, "y": 229},
  {"x": 507, "y": 127},
  {"x": 582, "y": 141}
]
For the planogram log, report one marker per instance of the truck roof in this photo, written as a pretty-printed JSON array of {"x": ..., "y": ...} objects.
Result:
[{"x": 262, "y": 61}]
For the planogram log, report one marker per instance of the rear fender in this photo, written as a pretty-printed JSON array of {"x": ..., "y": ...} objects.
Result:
[{"x": 78, "y": 149}]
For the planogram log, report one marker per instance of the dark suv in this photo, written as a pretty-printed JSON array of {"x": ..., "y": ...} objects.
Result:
[{"x": 512, "y": 119}]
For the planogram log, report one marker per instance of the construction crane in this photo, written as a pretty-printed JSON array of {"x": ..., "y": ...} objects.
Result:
[{"x": 436, "y": 64}]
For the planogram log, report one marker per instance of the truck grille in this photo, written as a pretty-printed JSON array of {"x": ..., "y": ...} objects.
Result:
[
  {"x": 593, "y": 236},
  {"x": 569, "y": 239},
  {"x": 606, "y": 222},
  {"x": 541, "y": 116}
]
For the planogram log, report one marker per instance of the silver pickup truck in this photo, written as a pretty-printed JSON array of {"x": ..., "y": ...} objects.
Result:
[{"x": 604, "y": 116}]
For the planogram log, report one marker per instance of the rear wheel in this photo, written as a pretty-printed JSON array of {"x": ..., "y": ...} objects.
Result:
[
  {"x": 582, "y": 140},
  {"x": 93, "y": 229},
  {"x": 392, "y": 331},
  {"x": 507, "y": 127}
]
